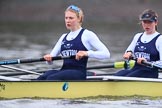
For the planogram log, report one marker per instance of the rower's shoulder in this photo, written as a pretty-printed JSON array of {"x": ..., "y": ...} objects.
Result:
[
  {"x": 137, "y": 35},
  {"x": 159, "y": 39},
  {"x": 160, "y": 36},
  {"x": 89, "y": 34},
  {"x": 63, "y": 35},
  {"x": 88, "y": 31}
]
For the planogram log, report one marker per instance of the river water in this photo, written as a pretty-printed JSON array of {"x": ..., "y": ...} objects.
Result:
[
  {"x": 55, "y": 103},
  {"x": 27, "y": 45}
]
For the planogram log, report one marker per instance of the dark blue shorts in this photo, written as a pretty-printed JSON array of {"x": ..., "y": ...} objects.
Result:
[
  {"x": 141, "y": 71},
  {"x": 67, "y": 74}
]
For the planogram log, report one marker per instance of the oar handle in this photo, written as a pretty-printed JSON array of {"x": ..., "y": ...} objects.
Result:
[
  {"x": 19, "y": 61},
  {"x": 31, "y": 60},
  {"x": 151, "y": 64}
]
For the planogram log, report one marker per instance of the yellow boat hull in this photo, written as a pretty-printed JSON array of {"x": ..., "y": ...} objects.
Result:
[{"x": 79, "y": 89}]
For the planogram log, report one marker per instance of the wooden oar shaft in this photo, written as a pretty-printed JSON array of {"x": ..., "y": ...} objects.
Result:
[{"x": 19, "y": 61}]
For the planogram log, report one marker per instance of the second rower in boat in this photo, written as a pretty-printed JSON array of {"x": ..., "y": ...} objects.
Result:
[
  {"x": 145, "y": 46},
  {"x": 80, "y": 42}
]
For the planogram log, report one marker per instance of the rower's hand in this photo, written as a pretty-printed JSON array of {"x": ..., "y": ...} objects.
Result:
[
  {"x": 48, "y": 57},
  {"x": 127, "y": 55},
  {"x": 139, "y": 60},
  {"x": 81, "y": 54}
]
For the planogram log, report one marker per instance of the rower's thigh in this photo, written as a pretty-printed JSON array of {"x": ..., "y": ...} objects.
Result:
[{"x": 68, "y": 75}]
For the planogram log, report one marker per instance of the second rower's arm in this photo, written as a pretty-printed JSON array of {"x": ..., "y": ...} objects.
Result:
[{"x": 96, "y": 49}]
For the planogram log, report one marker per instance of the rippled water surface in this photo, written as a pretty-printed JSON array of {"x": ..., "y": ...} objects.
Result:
[{"x": 42, "y": 103}]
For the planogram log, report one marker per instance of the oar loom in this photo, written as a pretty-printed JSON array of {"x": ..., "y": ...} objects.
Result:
[
  {"x": 115, "y": 65},
  {"x": 19, "y": 61}
]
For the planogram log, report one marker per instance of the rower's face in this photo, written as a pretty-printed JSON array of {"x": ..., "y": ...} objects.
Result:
[
  {"x": 149, "y": 27},
  {"x": 71, "y": 20}
]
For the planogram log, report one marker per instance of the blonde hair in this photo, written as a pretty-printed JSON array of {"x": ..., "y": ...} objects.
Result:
[{"x": 78, "y": 11}]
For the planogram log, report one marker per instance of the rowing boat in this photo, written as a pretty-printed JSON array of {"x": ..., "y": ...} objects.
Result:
[{"x": 95, "y": 86}]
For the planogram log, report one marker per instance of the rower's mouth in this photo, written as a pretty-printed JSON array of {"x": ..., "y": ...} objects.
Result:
[{"x": 147, "y": 28}]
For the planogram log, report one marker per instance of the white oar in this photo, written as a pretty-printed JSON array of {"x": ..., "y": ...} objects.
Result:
[
  {"x": 9, "y": 78},
  {"x": 23, "y": 70}
]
